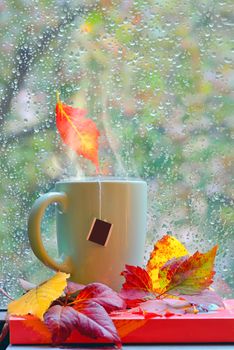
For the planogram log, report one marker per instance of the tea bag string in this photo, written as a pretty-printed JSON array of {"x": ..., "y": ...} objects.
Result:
[{"x": 100, "y": 198}]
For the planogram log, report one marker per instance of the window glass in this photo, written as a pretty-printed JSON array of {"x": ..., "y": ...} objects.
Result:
[{"x": 156, "y": 78}]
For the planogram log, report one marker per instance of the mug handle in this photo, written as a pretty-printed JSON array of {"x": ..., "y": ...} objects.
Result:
[{"x": 34, "y": 229}]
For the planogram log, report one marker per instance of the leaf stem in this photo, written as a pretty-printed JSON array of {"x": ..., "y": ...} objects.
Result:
[
  {"x": 60, "y": 302},
  {"x": 57, "y": 96},
  {"x": 160, "y": 295},
  {"x": 69, "y": 119},
  {"x": 76, "y": 301},
  {"x": 5, "y": 293}
]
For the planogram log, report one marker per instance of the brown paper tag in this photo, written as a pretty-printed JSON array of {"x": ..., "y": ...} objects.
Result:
[{"x": 100, "y": 232}]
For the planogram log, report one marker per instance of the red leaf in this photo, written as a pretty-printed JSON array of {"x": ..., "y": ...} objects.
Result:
[
  {"x": 137, "y": 287},
  {"x": 96, "y": 322},
  {"x": 61, "y": 321},
  {"x": 73, "y": 287},
  {"x": 135, "y": 294},
  {"x": 78, "y": 132},
  {"x": 137, "y": 279},
  {"x": 90, "y": 319},
  {"x": 103, "y": 295},
  {"x": 134, "y": 297}
]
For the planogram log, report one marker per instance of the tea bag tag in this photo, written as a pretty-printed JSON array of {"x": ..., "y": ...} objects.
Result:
[{"x": 100, "y": 232}]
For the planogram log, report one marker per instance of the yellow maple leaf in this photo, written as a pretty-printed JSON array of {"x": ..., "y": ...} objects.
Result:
[
  {"x": 37, "y": 300},
  {"x": 168, "y": 247}
]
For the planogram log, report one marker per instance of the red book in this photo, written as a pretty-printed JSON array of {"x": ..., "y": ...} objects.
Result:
[{"x": 211, "y": 327}]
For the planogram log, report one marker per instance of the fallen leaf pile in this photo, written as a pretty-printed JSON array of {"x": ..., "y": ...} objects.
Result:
[
  {"x": 173, "y": 283},
  {"x": 65, "y": 306},
  {"x": 173, "y": 273}
]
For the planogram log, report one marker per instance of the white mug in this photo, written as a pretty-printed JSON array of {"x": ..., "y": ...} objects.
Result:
[{"x": 121, "y": 203}]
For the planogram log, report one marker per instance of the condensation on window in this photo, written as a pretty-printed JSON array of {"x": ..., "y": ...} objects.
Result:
[{"x": 156, "y": 77}]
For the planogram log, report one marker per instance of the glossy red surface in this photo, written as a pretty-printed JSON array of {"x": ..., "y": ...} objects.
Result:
[{"x": 209, "y": 327}]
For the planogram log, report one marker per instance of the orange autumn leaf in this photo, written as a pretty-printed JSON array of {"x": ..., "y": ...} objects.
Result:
[
  {"x": 168, "y": 247},
  {"x": 188, "y": 275},
  {"x": 77, "y": 131},
  {"x": 37, "y": 300}
]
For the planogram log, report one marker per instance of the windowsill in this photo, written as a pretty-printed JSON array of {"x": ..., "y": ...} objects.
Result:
[
  {"x": 2, "y": 315},
  {"x": 133, "y": 347},
  {"x": 157, "y": 346}
]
